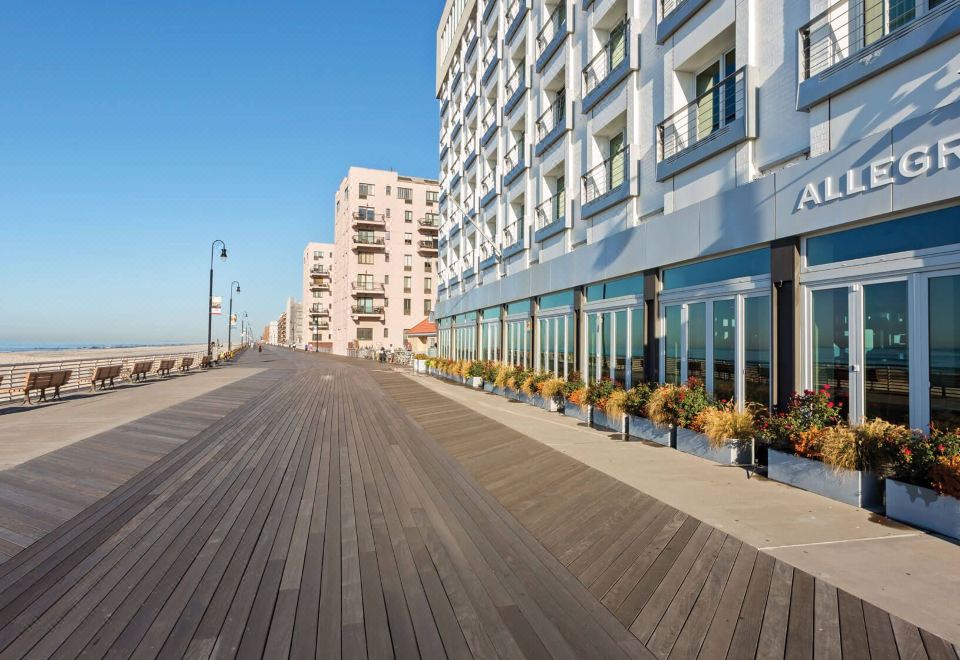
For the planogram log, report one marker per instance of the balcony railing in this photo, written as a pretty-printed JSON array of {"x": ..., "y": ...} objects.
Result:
[
  {"x": 319, "y": 271},
  {"x": 318, "y": 285},
  {"x": 363, "y": 285},
  {"x": 366, "y": 310},
  {"x": 468, "y": 137},
  {"x": 613, "y": 53},
  {"x": 488, "y": 181},
  {"x": 369, "y": 218},
  {"x": 512, "y": 9},
  {"x": 608, "y": 175},
  {"x": 516, "y": 79},
  {"x": 551, "y": 210},
  {"x": 430, "y": 245},
  {"x": 553, "y": 116},
  {"x": 375, "y": 241},
  {"x": 849, "y": 26},
  {"x": 719, "y": 106},
  {"x": 667, "y": 6},
  {"x": 430, "y": 223},
  {"x": 488, "y": 118},
  {"x": 488, "y": 55},
  {"x": 555, "y": 23},
  {"x": 513, "y": 233},
  {"x": 515, "y": 156},
  {"x": 467, "y": 260},
  {"x": 318, "y": 310}
]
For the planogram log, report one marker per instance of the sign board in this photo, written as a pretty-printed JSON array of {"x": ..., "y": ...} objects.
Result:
[
  {"x": 233, "y": 321},
  {"x": 216, "y": 305}
]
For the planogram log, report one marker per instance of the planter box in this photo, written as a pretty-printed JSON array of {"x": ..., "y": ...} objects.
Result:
[
  {"x": 476, "y": 382},
  {"x": 697, "y": 444},
  {"x": 602, "y": 420},
  {"x": 550, "y": 405},
  {"x": 854, "y": 487},
  {"x": 511, "y": 393},
  {"x": 583, "y": 414},
  {"x": 923, "y": 507},
  {"x": 419, "y": 366},
  {"x": 644, "y": 429},
  {"x": 488, "y": 387},
  {"x": 523, "y": 397}
]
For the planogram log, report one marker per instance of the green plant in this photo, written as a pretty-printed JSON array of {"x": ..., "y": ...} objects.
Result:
[
  {"x": 475, "y": 370},
  {"x": 616, "y": 403},
  {"x": 599, "y": 391},
  {"x": 572, "y": 385},
  {"x": 804, "y": 412},
  {"x": 502, "y": 376},
  {"x": 636, "y": 399},
  {"x": 724, "y": 423},
  {"x": 918, "y": 460},
  {"x": 552, "y": 388},
  {"x": 677, "y": 405}
]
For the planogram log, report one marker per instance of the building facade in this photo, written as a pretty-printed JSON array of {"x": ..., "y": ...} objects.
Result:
[
  {"x": 385, "y": 252},
  {"x": 762, "y": 194},
  {"x": 317, "y": 296}
]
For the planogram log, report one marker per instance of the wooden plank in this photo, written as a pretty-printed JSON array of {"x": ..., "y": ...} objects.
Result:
[
  {"x": 720, "y": 634},
  {"x": 826, "y": 634},
  {"x": 909, "y": 642},
  {"x": 853, "y": 630},
  {"x": 746, "y": 637},
  {"x": 800, "y": 626},
  {"x": 883, "y": 644},
  {"x": 937, "y": 648}
]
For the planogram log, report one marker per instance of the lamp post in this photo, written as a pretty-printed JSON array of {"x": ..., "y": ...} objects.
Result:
[
  {"x": 243, "y": 327},
  {"x": 223, "y": 257},
  {"x": 230, "y": 318}
]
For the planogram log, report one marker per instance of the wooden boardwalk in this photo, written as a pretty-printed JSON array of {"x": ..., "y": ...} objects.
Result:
[{"x": 349, "y": 512}]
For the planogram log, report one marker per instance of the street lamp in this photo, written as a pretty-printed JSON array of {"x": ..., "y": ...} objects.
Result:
[
  {"x": 243, "y": 328},
  {"x": 230, "y": 318},
  {"x": 223, "y": 257}
]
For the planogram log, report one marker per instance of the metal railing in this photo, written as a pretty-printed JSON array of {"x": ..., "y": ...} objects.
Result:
[
  {"x": 322, "y": 284},
  {"x": 607, "y": 176},
  {"x": 319, "y": 310},
  {"x": 513, "y": 233},
  {"x": 468, "y": 139},
  {"x": 555, "y": 24},
  {"x": 468, "y": 260},
  {"x": 515, "y": 156},
  {"x": 488, "y": 181},
  {"x": 362, "y": 285},
  {"x": 14, "y": 376},
  {"x": 716, "y": 108},
  {"x": 369, "y": 218},
  {"x": 488, "y": 55},
  {"x": 429, "y": 245},
  {"x": 433, "y": 223},
  {"x": 469, "y": 84},
  {"x": 553, "y": 116},
  {"x": 849, "y": 26},
  {"x": 366, "y": 310},
  {"x": 613, "y": 53},
  {"x": 320, "y": 271},
  {"x": 488, "y": 118},
  {"x": 361, "y": 239},
  {"x": 667, "y": 6},
  {"x": 516, "y": 80},
  {"x": 551, "y": 210},
  {"x": 512, "y": 9}
]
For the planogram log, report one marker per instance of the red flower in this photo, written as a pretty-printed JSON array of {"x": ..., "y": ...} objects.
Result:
[
  {"x": 826, "y": 386},
  {"x": 941, "y": 448},
  {"x": 829, "y": 404},
  {"x": 907, "y": 452}
]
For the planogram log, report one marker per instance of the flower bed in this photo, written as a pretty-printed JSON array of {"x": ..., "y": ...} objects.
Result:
[
  {"x": 858, "y": 488},
  {"x": 924, "y": 508}
]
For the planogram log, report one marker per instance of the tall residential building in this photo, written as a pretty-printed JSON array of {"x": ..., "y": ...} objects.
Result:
[
  {"x": 764, "y": 194},
  {"x": 384, "y": 277},
  {"x": 317, "y": 295}
]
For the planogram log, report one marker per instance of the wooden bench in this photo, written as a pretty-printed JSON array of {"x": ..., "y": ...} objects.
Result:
[
  {"x": 205, "y": 362},
  {"x": 42, "y": 381},
  {"x": 103, "y": 375},
  {"x": 185, "y": 364},
  {"x": 140, "y": 370},
  {"x": 165, "y": 367}
]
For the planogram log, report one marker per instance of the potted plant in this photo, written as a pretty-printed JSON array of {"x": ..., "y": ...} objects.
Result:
[
  {"x": 811, "y": 448},
  {"x": 515, "y": 381},
  {"x": 729, "y": 433},
  {"x": 420, "y": 363},
  {"x": 575, "y": 399},
  {"x": 550, "y": 394},
  {"x": 924, "y": 490},
  {"x": 676, "y": 407},
  {"x": 490, "y": 370},
  {"x": 638, "y": 425},
  {"x": 607, "y": 402},
  {"x": 473, "y": 372},
  {"x": 500, "y": 380}
]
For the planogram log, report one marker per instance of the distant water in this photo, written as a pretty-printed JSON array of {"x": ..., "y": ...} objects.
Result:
[{"x": 23, "y": 347}]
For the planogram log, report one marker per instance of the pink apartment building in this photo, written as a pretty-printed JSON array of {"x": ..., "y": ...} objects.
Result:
[
  {"x": 318, "y": 295},
  {"x": 385, "y": 258}
]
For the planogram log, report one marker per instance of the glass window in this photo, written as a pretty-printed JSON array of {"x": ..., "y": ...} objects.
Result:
[
  {"x": 886, "y": 367},
  {"x": 944, "y": 315},
  {"x": 745, "y": 264},
  {"x": 620, "y": 347},
  {"x": 625, "y": 286},
  {"x": 724, "y": 349},
  {"x": 593, "y": 327},
  {"x": 491, "y": 313},
  {"x": 568, "y": 353},
  {"x": 831, "y": 343},
  {"x": 671, "y": 372},
  {"x": 606, "y": 346},
  {"x": 916, "y": 232},
  {"x": 564, "y": 298},
  {"x": 697, "y": 341},
  {"x": 521, "y": 307},
  {"x": 756, "y": 340},
  {"x": 637, "y": 346}
]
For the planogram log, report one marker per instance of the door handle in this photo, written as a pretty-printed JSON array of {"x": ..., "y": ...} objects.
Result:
[{"x": 854, "y": 368}]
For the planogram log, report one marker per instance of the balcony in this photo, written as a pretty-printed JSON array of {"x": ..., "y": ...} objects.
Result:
[
  {"x": 488, "y": 10},
  {"x": 367, "y": 218},
  {"x": 513, "y": 242},
  {"x": 551, "y": 217},
  {"x": 429, "y": 246},
  {"x": 319, "y": 271},
  {"x": 488, "y": 257},
  {"x": 673, "y": 14},
  {"x": 515, "y": 162},
  {"x": 610, "y": 67},
  {"x": 553, "y": 123},
  {"x": 854, "y": 40},
  {"x": 359, "y": 311},
  {"x": 607, "y": 184},
  {"x": 489, "y": 63},
  {"x": 488, "y": 125},
  {"x": 368, "y": 242},
  {"x": 718, "y": 119},
  {"x": 319, "y": 311},
  {"x": 366, "y": 287},
  {"x": 429, "y": 225},
  {"x": 516, "y": 12},
  {"x": 469, "y": 266},
  {"x": 319, "y": 285},
  {"x": 471, "y": 41},
  {"x": 515, "y": 87},
  {"x": 488, "y": 188},
  {"x": 552, "y": 35}
]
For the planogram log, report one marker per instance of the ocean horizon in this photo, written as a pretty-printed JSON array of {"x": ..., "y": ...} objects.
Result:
[{"x": 28, "y": 347}]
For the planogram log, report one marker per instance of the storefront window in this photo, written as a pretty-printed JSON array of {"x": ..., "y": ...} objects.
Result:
[
  {"x": 756, "y": 361},
  {"x": 744, "y": 264},
  {"x": 637, "y": 345},
  {"x": 885, "y": 349},
  {"x": 831, "y": 343},
  {"x": 620, "y": 347},
  {"x": 697, "y": 341},
  {"x": 593, "y": 329},
  {"x": 671, "y": 372},
  {"x": 944, "y": 315},
  {"x": 724, "y": 349}
]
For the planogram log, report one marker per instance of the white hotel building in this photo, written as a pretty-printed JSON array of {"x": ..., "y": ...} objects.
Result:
[{"x": 761, "y": 193}]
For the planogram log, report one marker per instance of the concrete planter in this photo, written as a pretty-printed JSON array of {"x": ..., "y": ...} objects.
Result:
[
  {"x": 732, "y": 453},
  {"x": 549, "y": 404},
  {"x": 923, "y": 507},
  {"x": 601, "y": 420},
  {"x": 488, "y": 387},
  {"x": 583, "y": 414},
  {"x": 511, "y": 393},
  {"x": 476, "y": 382},
  {"x": 523, "y": 397},
  {"x": 854, "y": 487},
  {"x": 419, "y": 366},
  {"x": 644, "y": 429}
]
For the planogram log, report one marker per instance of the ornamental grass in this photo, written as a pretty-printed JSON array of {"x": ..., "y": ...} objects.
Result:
[
  {"x": 552, "y": 388},
  {"x": 725, "y": 423}
]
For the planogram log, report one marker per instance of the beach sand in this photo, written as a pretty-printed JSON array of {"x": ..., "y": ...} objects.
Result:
[{"x": 94, "y": 353}]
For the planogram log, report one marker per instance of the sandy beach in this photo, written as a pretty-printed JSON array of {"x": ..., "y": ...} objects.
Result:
[{"x": 93, "y": 353}]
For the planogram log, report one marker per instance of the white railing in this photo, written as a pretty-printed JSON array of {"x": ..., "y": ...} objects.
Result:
[
  {"x": 553, "y": 116},
  {"x": 516, "y": 79},
  {"x": 719, "y": 106},
  {"x": 515, "y": 156},
  {"x": 513, "y": 233},
  {"x": 607, "y": 176},
  {"x": 488, "y": 118},
  {"x": 615, "y": 51},
  {"x": 488, "y": 55},
  {"x": 551, "y": 210},
  {"x": 555, "y": 24},
  {"x": 486, "y": 185}
]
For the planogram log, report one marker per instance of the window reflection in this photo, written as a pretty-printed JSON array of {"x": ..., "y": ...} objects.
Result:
[
  {"x": 724, "y": 349},
  {"x": 945, "y": 351},
  {"x": 671, "y": 372},
  {"x": 697, "y": 341},
  {"x": 831, "y": 343},
  {"x": 885, "y": 349},
  {"x": 756, "y": 311},
  {"x": 620, "y": 353},
  {"x": 637, "y": 346}
]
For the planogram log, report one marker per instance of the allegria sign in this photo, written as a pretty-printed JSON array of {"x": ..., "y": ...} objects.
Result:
[{"x": 883, "y": 172}]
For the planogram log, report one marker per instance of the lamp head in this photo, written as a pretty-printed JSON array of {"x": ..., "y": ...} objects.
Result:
[
  {"x": 238, "y": 288},
  {"x": 223, "y": 254}
]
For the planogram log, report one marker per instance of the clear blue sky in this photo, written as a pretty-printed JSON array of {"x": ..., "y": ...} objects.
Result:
[{"x": 132, "y": 134}]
